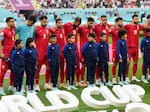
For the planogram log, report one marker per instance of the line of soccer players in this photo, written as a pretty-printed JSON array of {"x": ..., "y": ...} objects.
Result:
[{"x": 81, "y": 34}]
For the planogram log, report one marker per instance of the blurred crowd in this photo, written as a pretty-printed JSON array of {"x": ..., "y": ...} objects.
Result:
[
  {"x": 5, "y": 4},
  {"x": 48, "y": 4}
]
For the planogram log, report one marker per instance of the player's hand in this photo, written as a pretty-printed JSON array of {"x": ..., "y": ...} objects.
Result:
[
  {"x": 128, "y": 61},
  {"x": 82, "y": 60},
  {"x": 2, "y": 55},
  {"x": 142, "y": 54},
  {"x": 120, "y": 60}
]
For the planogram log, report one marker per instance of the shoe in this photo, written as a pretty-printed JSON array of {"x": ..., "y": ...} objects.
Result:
[
  {"x": 108, "y": 84},
  {"x": 135, "y": 79},
  {"x": 114, "y": 81},
  {"x": 145, "y": 81},
  {"x": 33, "y": 91},
  {"x": 97, "y": 82},
  {"x": 125, "y": 83},
  {"x": 61, "y": 85},
  {"x": 55, "y": 89},
  {"x": 128, "y": 80},
  {"x": 69, "y": 88},
  {"x": 19, "y": 93},
  {"x": 12, "y": 89},
  {"x": 47, "y": 86},
  {"x": 84, "y": 84},
  {"x": 2, "y": 92},
  {"x": 121, "y": 83},
  {"x": 28, "y": 92},
  {"x": 22, "y": 89},
  {"x": 37, "y": 88},
  {"x": 78, "y": 84},
  {"x": 73, "y": 87},
  {"x": 101, "y": 84}
]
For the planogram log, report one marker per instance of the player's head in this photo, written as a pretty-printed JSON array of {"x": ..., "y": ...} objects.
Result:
[
  {"x": 103, "y": 19},
  {"x": 43, "y": 20},
  {"x": 148, "y": 32},
  {"x": 19, "y": 44},
  {"x": 30, "y": 43},
  {"x": 91, "y": 37},
  {"x": 53, "y": 39},
  {"x": 77, "y": 21},
  {"x": 148, "y": 19},
  {"x": 135, "y": 19},
  {"x": 119, "y": 21},
  {"x": 122, "y": 34},
  {"x": 103, "y": 37},
  {"x": 10, "y": 22},
  {"x": 31, "y": 20},
  {"x": 90, "y": 22},
  {"x": 71, "y": 38},
  {"x": 59, "y": 23}
]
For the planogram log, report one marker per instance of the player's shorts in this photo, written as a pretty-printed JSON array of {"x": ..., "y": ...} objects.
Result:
[
  {"x": 133, "y": 53},
  {"x": 114, "y": 55}
]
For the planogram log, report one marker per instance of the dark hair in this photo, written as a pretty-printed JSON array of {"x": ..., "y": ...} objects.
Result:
[
  {"x": 91, "y": 35},
  {"x": 58, "y": 20},
  {"x": 90, "y": 19},
  {"x": 43, "y": 17},
  {"x": 53, "y": 36},
  {"x": 8, "y": 19},
  {"x": 147, "y": 30},
  {"x": 32, "y": 18},
  {"x": 118, "y": 19},
  {"x": 102, "y": 34},
  {"x": 103, "y": 16},
  {"x": 17, "y": 42},
  {"x": 122, "y": 33},
  {"x": 29, "y": 40},
  {"x": 78, "y": 19},
  {"x": 148, "y": 16},
  {"x": 134, "y": 16},
  {"x": 70, "y": 35}
]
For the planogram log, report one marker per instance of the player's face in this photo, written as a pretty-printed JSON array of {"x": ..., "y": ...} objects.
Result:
[
  {"x": 72, "y": 39},
  {"x": 136, "y": 20},
  {"x": 21, "y": 45},
  {"x": 53, "y": 40},
  {"x": 148, "y": 20},
  {"x": 120, "y": 23},
  {"x": 11, "y": 23},
  {"x": 59, "y": 24},
  {"x": 32, "y": 44},
  {"x": 90, "y": 39},
  {"x": 90, "y": 24},
  {"x": 44, "y": 22},
  {"x": 125, "y": 36},
  {"x": 76, "y": 23},
  {"x": 103, "y": 38},
  {"x": 30, "y": 23},
  {"x": 103, "y": 20}
]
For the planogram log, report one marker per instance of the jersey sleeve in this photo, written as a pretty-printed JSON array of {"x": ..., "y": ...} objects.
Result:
[
  {"x": 84, "y": 49},
  {"x": 13, "y": 54},
  {"x": 118, "y": 50},
  {"x": 142, "y": 45},
  {"x": 65, "y": 50},
  {"x": 49, "y": 51}
]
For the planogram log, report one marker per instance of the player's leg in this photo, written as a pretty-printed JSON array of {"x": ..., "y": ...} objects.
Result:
[
  {"x": 135, "y": 61},
  {"x": 146, "y": 64},
  {"x": 78, "y": 71},
  {"x": 93, "y": 72},
  {"x": 120, "y": 71},
  {"x": 97, "y": 75},
  {"x": 62, "y": 72}
]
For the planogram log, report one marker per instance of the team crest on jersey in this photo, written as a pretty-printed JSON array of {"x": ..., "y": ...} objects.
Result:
[
  {"x": 102, "y": 46},
  {"x": 47, "y": 31},
  {"x": 18, "y": 53},
  {"x": 53, "y": 48},
  {"x": 122, "y": 43},
  {"x": 147, "y": 41},
  {"x": 30, "y": 51},
  {"x": 69, "y": 47},
  {"x": 90, "y": 45}
]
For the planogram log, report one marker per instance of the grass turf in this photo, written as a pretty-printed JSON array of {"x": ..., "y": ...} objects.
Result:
[{"x": 82, "y": 107}]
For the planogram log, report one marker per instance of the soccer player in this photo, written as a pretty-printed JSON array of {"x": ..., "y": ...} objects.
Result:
[
  {"x": 103, "y": 26},
  {"x": 70, "y": 56},
  {"x": 133, "y": 30},
  {"x": 145, "y": 49},
  {"x": 7, "y": 40},
  {"x": 27, "y": 29},
  {"x": 73, "y": 28},
  {"x": 103, "y": 55},
  {"x": 122, "y": 53},
  {"x": 90, "y": 54},
  {"x": 58, "y": 30},
  {"x": 115, "y": 38},
  {"x": 54, "y": 60},
  {"x": 84, "y": 31},
  {"x": 42, "y": 34},
  {"x": 18, "y": 65}
]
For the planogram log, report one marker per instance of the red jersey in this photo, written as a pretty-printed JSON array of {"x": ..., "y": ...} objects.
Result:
[
  {"x": 84, "y": 31},
  {"x": 146, "y": 26},
  {"x": 99, "y": 28},
  {"x": 42, "y": 39},
  {"x": 69, "y": 28},
  {"x": 60, "y": 34},
  {"x": 115, "y": 37},
  {"x": 133, "y": 34},
  {"x": 8, "y": 41}
]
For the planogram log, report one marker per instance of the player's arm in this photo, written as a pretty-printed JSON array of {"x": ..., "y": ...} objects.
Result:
[
  {"x": 142, "y": 45},
  {"x": 13, "y": 54},
  {"x": 49, "y": 52},
  {"x": 1, "y": 46},
  {"x": 65, "y": 51},
  {"x": 84, "y": 49},
  {"x": 107, "y": 47},
  {"x": 118, "y": 51}
]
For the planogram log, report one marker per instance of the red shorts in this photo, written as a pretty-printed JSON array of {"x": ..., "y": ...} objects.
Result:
[
  {"x": 114, "y": 55},
  {"x": 133, "y": 53}
]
